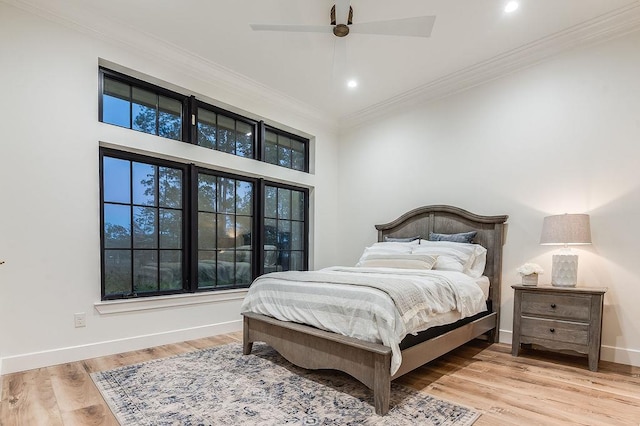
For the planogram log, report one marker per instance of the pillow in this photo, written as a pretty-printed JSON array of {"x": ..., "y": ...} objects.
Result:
[
  {"x": 401, "y": 240},
  {"x": 470, "y": 258},
  {"x": 400, "y": 261},
  {"x": 388, "y": 248},
  {"x": 462, "y": 237},
  {"x": 448, "y": 259}
]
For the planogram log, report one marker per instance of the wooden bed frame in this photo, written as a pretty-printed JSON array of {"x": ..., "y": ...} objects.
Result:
[{"x": 370, "y": 363}]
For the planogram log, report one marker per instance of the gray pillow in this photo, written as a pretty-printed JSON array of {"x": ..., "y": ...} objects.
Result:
[
  {"x": 400, "y": 240},
  {"x": 462, "y": 237}
]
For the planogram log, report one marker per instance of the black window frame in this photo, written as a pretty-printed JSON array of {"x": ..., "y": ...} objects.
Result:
[
  {"x": 263, "y": 132},
  {"x": 196, "y": 104},
  {"x": 189, "y": 123},
  {"x": 189, "y": 232},
  {"x": 141, "y": 84}
]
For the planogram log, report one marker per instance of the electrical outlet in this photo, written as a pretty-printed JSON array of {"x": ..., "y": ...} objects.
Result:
[{"x": 80, "y": 319}]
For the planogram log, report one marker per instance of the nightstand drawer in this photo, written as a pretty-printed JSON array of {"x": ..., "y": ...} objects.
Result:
[
  {"x": 558, "y": 331},
  {"x": 576, "y": 307}
]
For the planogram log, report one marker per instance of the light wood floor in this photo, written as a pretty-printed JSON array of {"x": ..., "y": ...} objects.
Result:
[{"x": 537, "y": 388}]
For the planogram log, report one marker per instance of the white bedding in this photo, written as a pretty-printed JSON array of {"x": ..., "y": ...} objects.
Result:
[{"x": 363, "y": 312}]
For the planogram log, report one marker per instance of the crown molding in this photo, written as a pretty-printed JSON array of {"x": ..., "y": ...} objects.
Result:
[
  {"x": 611, "y": 25},
  {"x": 195, "y": 66}
]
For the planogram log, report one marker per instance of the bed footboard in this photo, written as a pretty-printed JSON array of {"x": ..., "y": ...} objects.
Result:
[{"x": 315, "y": 349}]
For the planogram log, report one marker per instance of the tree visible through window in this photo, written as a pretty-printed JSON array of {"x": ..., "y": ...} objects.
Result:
[
  {"x": 138, "y": 105},
  {"x": 143, "y": 222},
  {"x": 170, "y": 227}
]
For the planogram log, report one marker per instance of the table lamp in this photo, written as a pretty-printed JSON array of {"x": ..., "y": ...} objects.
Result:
[{"x": 565, "y": 230}]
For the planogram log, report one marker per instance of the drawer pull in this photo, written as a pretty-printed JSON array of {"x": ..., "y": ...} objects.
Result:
[
  {"x": 553, "y": 306},
  {"x": 553, "y": 330}
]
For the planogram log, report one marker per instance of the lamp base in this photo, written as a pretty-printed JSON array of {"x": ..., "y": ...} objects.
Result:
[{"x": 564, "y": 270}]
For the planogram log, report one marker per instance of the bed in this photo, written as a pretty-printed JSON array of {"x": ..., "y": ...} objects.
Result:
[{"x": 371, "y": 363}]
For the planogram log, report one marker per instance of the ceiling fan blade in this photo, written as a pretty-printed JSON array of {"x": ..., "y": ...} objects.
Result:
[
  {"x": 419, "y": 26},
  {"x": 339, "y": 59},
  {"x": 293, "y": 28},
  {"x": 342, "y": 11}
]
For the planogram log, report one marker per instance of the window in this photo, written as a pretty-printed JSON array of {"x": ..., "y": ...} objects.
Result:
[
  {"x": 285, "y": 233},
  {"x": 141, "y": 106},
  {"x": 169, "y": 227},
  {"x": 285, "y": 150},
  {"x": 225, "y": 133},
  {"x": 142, "y": 227},
  {"x": 153, "y": 111},
  {"x": 225, "y": 230}
]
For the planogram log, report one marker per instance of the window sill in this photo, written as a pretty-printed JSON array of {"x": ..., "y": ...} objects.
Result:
[{"x": 160, "y": 302}]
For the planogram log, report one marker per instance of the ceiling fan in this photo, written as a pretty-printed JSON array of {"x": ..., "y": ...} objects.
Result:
[{"x": 341, "y": 24}]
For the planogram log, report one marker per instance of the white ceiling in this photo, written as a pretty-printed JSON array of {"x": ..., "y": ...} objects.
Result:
[{"x": 472, "y": 41}]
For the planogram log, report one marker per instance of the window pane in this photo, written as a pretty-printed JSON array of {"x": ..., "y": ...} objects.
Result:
[
  {"x": 144, "y": 184},
  {"x": 226, "y": 231},
  {"x": 271, "y": 201},
  {"x": 270, "y": 259},
  {"x": 116, "y": 180},
  {"x": 144, "y": 110},
  {"x": 271, "y": 153},
  {"x": 117, "y": 272},
  {"x": 170, "y": 121},
  {"x": 243, "y": 230},
  {"x": 206, "y": 231},
  {"x": 297, "y": 160},
  {"x": 207, "y": 193},
  {"x": 284, "y": 235},
  {"x": 170, "y": 181},
  {"x": 116, "y": 103},
  {"x": 284, "y": 203},
  {"x": 117, "y": 226},
  {"x": 284, "y": 156},
  {"x": 116, "y": 111},
  {"x": 244, "y": 139},
  {"x": 207, "y": 128},
  {"x": 170, "y": 270},
  {"x": 297, "y": 205},
  {"x": 244, "y": 197},
  {"x": 297, "y": 230},
  {"x": 145, "y": 271},
  {"x": 170, "y": 229},
  {"x": 145, "y": 233},
  {"x": 271, "y": 148},
  {"x": 271, "y": 232},
  {"x": 116, "y": 89},
  {"x": 206, "y": 269},
  {"x": 226, "y": 195},
  {"x": 226, "y": 134}
]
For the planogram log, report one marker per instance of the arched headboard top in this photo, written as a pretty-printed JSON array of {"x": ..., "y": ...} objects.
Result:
[{"x": 452, "y": 220}]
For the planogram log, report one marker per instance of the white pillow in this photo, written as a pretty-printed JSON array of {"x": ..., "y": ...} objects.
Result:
[
  {"x": 463, "y": 257},
  {"x": 401, "y": 261},
  {"x": 388, "y": 248}
]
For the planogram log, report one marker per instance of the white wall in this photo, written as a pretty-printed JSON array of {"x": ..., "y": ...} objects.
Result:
[
  {"x": 49, "y": 221},
  {"x": 559, "y": 137}
]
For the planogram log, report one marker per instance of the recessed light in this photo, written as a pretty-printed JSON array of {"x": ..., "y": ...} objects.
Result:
[
  {"x": 352, "y": 84},
  {"x": 512, "y": 6}
]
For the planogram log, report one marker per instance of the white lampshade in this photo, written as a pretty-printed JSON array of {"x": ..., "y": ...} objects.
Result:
[{"x": 566, "y": 230}]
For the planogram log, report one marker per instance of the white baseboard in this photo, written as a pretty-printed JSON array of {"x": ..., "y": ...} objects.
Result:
[
  {"x": 607, "y": 353},
  {"x": 33, "y": 360}
]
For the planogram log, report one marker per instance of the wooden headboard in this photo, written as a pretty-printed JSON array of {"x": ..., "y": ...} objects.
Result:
[{"x": 451, "y": 220}]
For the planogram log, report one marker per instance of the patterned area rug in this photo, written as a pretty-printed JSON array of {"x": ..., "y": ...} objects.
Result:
[{"x": 220, "y": 386}]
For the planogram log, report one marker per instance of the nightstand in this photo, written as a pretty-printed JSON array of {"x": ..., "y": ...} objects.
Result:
[{"x": 559, "y": 318}]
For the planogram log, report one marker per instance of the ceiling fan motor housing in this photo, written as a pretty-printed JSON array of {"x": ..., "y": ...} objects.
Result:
[{"x": 340, "y": 30}]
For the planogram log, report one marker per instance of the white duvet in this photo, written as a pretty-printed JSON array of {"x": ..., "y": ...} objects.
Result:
[{"x": 335, "y": 299}]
